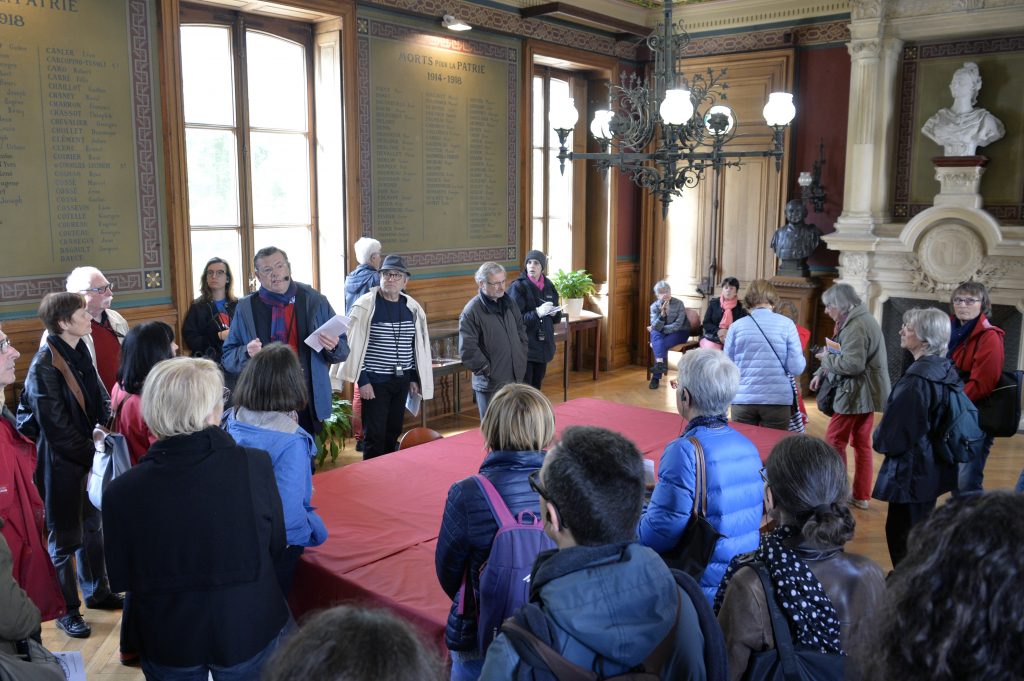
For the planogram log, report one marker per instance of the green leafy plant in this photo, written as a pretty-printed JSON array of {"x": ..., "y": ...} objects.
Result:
[
  {"x": 573, "y": 284},
  {"x": 337, "y": 427}
]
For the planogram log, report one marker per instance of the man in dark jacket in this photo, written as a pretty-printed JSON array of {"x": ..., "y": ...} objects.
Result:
[
  {"x": 537, "y": 300},
  {"x": 492, "y": 338},
  {"x": 607, "y": 601}
]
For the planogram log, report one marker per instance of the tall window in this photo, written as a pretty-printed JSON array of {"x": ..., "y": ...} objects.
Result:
[
  {"x": 552, "y": 191},
  {"x": 248, "y": 139}
]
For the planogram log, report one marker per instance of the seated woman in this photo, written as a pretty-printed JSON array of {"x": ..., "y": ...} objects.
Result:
[
  {"x": 669, "y": 326},
  {"x": 144, "y": 346},
  {"x": 518, "y": 425},
  {"x": 721, "y": 313},
  {"x": 835, "y": 591},
  {"x": 349, "y": 643},
  {"x": 707, "y": 382},
  {"x": 193, "y": 533},
  {"x": 269, "y": 393},
  {"x": 766, "y": 347},
  {"x": 209, "y": 318}
]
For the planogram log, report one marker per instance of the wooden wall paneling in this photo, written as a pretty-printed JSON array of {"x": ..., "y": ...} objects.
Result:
[
  {"x": 624, "y": 315},
  {"x": 746, "y": 225}
]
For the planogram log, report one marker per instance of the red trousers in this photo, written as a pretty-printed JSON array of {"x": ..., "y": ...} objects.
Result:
[{"x": 854, "y": 429}]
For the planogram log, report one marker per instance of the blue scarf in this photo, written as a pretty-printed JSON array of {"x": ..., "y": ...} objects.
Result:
[
  {"x": 958, "y": 333},
  {"x": 278, "y": 303},
  {"x": 712, "y": 421}
]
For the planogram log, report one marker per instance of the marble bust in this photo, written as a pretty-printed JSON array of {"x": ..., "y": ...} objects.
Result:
[
  {"x": 962, "y": 128},
  {"x": 795, "y": 241}
]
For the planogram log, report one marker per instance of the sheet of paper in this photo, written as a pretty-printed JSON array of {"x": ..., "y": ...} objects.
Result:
[
  {"x": 335, "y": 326},
  {"x": 412, "y": 403},
  {"x": 72, "y": 664},
  {"x": 833, "y": 347}
]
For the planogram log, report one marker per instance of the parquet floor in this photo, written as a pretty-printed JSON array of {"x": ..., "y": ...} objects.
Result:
[{"x": 624, "y": 385}]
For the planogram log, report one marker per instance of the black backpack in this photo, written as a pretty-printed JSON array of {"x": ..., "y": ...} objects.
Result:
[
  {"x": 958, "y": 437},
  {"x": 546, "y": 664},
  {"x": 787, "y": 661}
]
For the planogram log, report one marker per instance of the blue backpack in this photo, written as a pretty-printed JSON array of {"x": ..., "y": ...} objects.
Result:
[
  {"x": 959, "y": 438},
  {"x": 505, "y": 575}
]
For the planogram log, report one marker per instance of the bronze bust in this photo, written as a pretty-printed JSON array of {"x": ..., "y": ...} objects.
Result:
[{"x": 794, "y": 242}]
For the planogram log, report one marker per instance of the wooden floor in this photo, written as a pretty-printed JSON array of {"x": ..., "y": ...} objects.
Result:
[{"x": 627, "y": 385}]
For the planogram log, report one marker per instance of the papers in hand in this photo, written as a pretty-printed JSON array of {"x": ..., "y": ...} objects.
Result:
[
  {"x": 335, "y": 326},
  {"x": 412, "y": 403},
  {"x": 832, "y": 346}
]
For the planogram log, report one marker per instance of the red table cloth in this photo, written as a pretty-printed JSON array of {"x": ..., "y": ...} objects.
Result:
[{"x": 383, "y": 515}]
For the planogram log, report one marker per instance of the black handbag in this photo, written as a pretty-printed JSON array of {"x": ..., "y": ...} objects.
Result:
[
  {"x": 692, "y": 553},
  {"x": 999, "y": 413},
  {"x": 787, "y": 662},
  {"x": 827, "y": 395}
]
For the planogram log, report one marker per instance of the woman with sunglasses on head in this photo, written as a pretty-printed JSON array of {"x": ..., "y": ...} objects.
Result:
[
  {"x": 825, "y": 593},
  {"x": 976, "y": 348},
  {"x": 518, "y": 426},
  {"x": 209, "y": 318}
]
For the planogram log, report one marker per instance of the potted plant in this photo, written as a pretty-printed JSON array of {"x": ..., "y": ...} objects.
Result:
[
  {"x": 572, "y": 286},
  {"x": 337, "y": 427}
]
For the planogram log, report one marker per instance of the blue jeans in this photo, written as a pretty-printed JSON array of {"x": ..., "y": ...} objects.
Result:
[
  {"x": 466, "y": 666},
  {"x": 482, "y": 400},
  {"x": 972, "y": 473},
  {"x": 243, "y": 671},
  {"x": 661, "y": 342}
]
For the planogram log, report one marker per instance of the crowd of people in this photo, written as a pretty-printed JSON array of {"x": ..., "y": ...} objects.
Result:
[{"x": 595, "y": 590}]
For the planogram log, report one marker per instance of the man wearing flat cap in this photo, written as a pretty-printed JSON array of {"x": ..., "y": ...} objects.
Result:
[{"x": 390, "y": 356}]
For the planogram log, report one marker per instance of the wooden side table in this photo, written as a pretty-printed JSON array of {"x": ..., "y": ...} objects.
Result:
[{"x": 586, "y": 320}]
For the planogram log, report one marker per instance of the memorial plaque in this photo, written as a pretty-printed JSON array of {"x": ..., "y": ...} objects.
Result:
[
  {"x": 79, "y": 171},
  {"x": 438, "y": 142}
]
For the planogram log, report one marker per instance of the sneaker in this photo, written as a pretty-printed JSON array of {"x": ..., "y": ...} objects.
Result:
[
  {"x": 111, "y": 602},
  {"x": 74, "y": 626},
  {"x": 862, "y": 504},
  {"x": 654, "y": 383}
]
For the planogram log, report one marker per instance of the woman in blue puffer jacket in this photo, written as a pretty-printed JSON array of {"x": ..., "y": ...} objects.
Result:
[
  {"x": 707, "y": 382},
  {"x": 270, "y": 390},
  {"x": 518, "y": 425}
]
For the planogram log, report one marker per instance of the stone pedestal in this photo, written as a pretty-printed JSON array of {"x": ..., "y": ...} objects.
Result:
[
  {"x": 959, "y": 180},
  {"x": 800, "y": 300}
]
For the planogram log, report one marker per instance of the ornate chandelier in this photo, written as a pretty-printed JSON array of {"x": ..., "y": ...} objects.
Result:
[{"x": 691, "y": 124}]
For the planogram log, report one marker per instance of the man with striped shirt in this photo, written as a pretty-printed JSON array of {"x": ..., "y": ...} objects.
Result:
[{"x": 390, "y": 356}]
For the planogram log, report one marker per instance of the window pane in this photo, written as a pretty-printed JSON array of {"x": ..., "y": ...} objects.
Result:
[
  {"x": 280, "y": 178},
  {"x": 212, "y": 165},
  {"x": 207, "y": 79},
  {"x": 559, "y": 190},
  {"x": 539, "y": 119},
  {"x": 538, "y": 183},
  {"x": 560, "y": 245},
  {"x": 559, "y": 93},
  {"x": 537, "y": 240},
  {"x": 277, "y": 82},
  {"x": 220, "y": 243},
  {"x": 295, "y": 242}
]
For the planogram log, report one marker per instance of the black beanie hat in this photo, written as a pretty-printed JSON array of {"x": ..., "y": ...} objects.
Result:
[{"x": 539, "y": 257}]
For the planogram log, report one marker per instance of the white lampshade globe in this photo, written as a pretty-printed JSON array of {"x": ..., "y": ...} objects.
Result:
[
  {"x": 779, "y": 110},
  {"x": 677, "y": 108},
  {"x": 565, "y": 115},
  {"x": 600, "y": 127}
]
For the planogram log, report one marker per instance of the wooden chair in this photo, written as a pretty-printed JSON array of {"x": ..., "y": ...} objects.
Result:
[
  {"x": 696, "y": 331},
  {"x": 418, "y": 436}
]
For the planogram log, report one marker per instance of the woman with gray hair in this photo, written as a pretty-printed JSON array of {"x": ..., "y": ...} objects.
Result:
[
  {"x": 707, "y": 382},
  {"x": 358, "y": 283},
  {"x": 912, "y": 477},
  {"x": 861, "y": 381},
  {"x": 669, "y": 326},
  {"x": 194, "y": 533}
]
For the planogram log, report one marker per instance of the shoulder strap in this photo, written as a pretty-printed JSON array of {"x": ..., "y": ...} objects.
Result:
[
  {"x": 774, "y": 352},
  {"x": 780, "y": 628},
  {"x": 561, "y": 668},
  {"x": 498, "y": 506},
  {"x": 700, "y": 487},
  {"x": 61, "y": 365}
]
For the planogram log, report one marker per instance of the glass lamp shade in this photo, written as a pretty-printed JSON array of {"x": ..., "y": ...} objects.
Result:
[
  {"x": 600, "y": 127},
  {"x": 779, "y": 110},
  {"x": 677, "y": 108},
  {"x": 719, "y": 120},
  {"x": 805, "y": 179},
  {"x": 564, "y": 115}
]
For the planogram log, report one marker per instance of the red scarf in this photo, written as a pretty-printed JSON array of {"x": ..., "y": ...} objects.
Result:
[{"x": 727, "y": 307}]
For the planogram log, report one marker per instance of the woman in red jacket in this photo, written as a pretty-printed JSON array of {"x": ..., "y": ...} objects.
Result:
[{"x": 976, "y": 348}]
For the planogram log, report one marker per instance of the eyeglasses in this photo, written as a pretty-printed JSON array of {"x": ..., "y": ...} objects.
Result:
[
  {"x": 391, "y": 275},
  {"x": 764, "y": 475},
  {"x": 4, "y": 344},
  {"x": 225, "y": 394},
  {"x": 270, "y": 269},
  {"x": 534, "y": 480},
  {"x": 495, "y": 284},
  {"x": 966, "y": 301},
  {"x": 98, "y": 289},
  {"x": 216, "y": 273}
]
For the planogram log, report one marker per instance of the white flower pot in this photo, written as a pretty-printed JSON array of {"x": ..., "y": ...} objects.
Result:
[{"x": 573, "y": 307}]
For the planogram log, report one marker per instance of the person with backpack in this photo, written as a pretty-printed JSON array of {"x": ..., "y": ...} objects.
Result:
[
  {"x": 913, "y": 476},
  {"x": 516, "y": 430},
  {"x": 823, "y": 593},
  {"x": 602, "y": 603},
  {"x": 976, "y": 348}
]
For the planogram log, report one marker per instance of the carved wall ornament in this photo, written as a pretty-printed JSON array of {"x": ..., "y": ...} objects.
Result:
[
  {"x": 855, "y": 265},
  {"x": 865, "y": 9},
  {"x": 950, "y": 252},
  {"x": 864, "y": 49}
]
